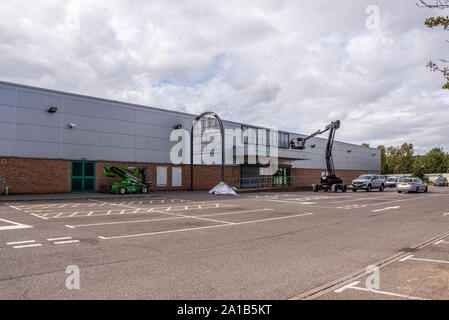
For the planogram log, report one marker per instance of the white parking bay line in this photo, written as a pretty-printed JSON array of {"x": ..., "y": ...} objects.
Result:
[
  {"x": 67, "y": 242},
  {"x": 425, "y": 260},
  {"x": 385, "y": 209},
  {"x": 15, "y": 225},
  {"x": 204, "y": 228},
  {"x": 28, "y": 246},
  {"x": 20, "y": 242},
  {"x": 60, "y": 239},
  {"x": 392, "y": 294}
]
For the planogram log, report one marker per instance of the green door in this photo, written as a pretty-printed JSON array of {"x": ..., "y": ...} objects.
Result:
[
  {"x": 83, "y": 176},
  {"x": 282, "y": 178}
]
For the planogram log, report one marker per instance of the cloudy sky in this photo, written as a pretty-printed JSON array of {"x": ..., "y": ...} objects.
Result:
[{"x": 294, "y": 65}]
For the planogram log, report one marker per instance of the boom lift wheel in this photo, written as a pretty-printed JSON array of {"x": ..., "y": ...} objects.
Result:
[
  {"x": 122, "y": 190},
  {"x": 144, "y": 190},
  {"x": 344, "y": 188},
  {"x": 334, "y": 188},
  {"x": 315, "y": 188}
]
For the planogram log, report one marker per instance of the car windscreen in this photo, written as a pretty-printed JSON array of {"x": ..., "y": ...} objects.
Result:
[
  {"x": 406, "y": 180},
  {"x": 365, "y": 177},
  {"x": 391, "y": 179}
]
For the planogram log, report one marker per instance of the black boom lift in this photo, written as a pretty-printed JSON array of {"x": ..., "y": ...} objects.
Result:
[{"x": 329, "y": 181}]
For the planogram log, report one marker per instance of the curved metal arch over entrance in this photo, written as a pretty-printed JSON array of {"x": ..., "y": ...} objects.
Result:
[{"x": 205, "y": 116}]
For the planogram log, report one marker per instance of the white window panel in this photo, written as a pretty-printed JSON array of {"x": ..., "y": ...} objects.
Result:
[
  {"x": 161, "y": 176},
  {"x": 176, "y": 177}
]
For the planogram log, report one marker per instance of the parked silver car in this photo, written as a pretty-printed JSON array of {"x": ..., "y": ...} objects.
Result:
[
  {"x": 412, "y": 185},
  {"x": 392, "y": 182},
  {"x": 368, "y": 182}
]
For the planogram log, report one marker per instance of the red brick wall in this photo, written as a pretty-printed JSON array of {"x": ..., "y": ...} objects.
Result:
[
  {"x": 36, "y": 176},
  {"x": 307, "y": 177},
  {"x": 28, "y": 176},
  {"x": 206, "y": 177}
]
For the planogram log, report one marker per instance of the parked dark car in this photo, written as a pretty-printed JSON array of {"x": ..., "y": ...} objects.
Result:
[{"x": 441, "y": 182}]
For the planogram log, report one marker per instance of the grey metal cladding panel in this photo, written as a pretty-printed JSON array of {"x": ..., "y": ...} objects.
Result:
[
  {"x": 118, "y": 154},
  {"x": 82, "y": 122},
  {"x": 147, "y": 156},
  {"x": 154, "y": 144},
  {"x": 7, "y": 96},
  {"x": 155, "y": 117},
  {"x": 37, "y": 133},
  {"x": 6, "y": 148},
  {"x": 38, "y": 100},
  {"x": 7, "y": 113},
  {"x": 35, "y": 149},
  {"x": 38, "y": 117},
  {"x": 82, "y": 107},
  {"x": 75, "y": 152},
  {"x": 116, "y": 126},
  {"x": 6, "y": 130},
  {"x": 148, "y": 130},
  {"x": 75, "y": 136},
  {"x": 119, "y": 112},
  {"x": 118, "y": 140}
]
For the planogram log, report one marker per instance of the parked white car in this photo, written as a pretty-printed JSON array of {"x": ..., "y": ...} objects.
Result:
[
  {"x": 412, "y": 185},
  {"x": 368, "y": 182},
  {"x": 392, "y": 182}
]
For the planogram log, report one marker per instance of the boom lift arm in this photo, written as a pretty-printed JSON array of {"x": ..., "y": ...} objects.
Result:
[{"x": 330, "y": 181}]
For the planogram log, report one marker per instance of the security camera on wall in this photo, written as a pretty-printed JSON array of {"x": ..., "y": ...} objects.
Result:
[{"x": 72, "y": 125}]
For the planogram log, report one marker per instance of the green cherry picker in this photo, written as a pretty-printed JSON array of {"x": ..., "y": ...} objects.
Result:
[{"x": 133, "y": 179}]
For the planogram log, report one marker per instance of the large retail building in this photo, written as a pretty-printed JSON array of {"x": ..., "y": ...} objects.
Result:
[{"x": 56, "y": 142}]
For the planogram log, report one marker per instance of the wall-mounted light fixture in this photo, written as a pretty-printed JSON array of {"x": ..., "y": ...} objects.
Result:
[
  {"x": 349, "y": 151},
  {"x": 178, "y": 126},
  {"x": 53, "y": 110},
  {"x": 72, "y": 125}
]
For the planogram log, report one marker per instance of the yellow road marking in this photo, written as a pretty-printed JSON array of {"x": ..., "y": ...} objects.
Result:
[
  {"x": 122, "y": 212},
  {"x": 45, "y": 215},
  {"x": 74, "y": 214},
  {"x": 200, "y": 207},
  {"x": 90, "y": 213},
  {"x": 58, "y": 215},
  {"x": 218, "y": 205},
  {"x": 186, "y": 208},
  {"x": 168, "y": 209},
  {"x": 151, "y": 210},
  {"x": 109, "y": 212},
  {"x": 140, "y": 202},
  {"x": 137, "y": 211}
]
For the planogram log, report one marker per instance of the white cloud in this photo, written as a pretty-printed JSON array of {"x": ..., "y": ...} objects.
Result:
[{"x": 291, "y": 64}]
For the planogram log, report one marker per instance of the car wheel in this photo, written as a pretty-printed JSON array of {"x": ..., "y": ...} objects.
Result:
[
  {"x": 417, "y": 189},
  {"x": 399, "y": 191},
  {"x": 381, "y": 189},
  {"x": 354, "y": 190},
  {"x": 368, "y": 189},
  {"x": 426, "y": 190},
  {"x": 344, "y": 188}
]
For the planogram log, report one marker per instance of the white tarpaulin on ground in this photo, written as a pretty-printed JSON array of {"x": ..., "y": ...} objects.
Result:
[{"x": 222, "y": 188}]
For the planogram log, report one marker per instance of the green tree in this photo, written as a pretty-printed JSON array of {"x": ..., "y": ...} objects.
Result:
[
  {"x": 418, "y": 168},
  {"x": 434, "y": 22},
  {"x": 399, "y": 160},
  {"x": 436, "y": 161},
  {"x": 383, "y": 155}
]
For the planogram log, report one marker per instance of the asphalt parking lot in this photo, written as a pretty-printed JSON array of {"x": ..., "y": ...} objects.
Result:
[{"x": 256, "y": 246}]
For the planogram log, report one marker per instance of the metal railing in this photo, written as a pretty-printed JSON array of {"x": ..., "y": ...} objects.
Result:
[{"x": 271, "y": 182}]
